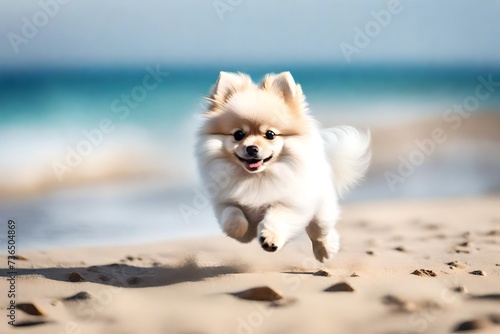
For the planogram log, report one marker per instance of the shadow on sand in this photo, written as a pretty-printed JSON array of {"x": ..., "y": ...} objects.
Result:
[{"x": 124, "y": 275}]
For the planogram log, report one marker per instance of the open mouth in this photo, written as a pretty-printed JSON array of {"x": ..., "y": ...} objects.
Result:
[{"x": 254, "y": 164}]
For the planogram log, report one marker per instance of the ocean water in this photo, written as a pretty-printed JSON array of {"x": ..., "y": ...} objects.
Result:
[{"x": 104, "y": 155}]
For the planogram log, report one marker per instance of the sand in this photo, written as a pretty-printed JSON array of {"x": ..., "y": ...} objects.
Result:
[{"x": 192, "y": 286}]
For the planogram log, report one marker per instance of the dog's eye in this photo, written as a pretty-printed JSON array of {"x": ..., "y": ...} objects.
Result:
[
  {"x": 239, "y": 135},
  {"x": 270, "y": 135}
]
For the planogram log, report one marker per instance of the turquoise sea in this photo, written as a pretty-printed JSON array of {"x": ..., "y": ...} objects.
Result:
[{"x": 138, "y": 169}]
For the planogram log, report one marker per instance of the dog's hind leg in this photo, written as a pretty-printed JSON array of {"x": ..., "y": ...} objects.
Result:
[
  {"x": 321, "y": 230},
  {"x": 324, "y": 239}
]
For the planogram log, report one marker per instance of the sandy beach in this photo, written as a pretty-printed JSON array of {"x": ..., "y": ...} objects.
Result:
[{"x": 413, "y": 266}]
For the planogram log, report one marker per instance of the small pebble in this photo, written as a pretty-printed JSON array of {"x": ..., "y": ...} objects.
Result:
[
  {"x": 460, "y": 289},
  {"x": 130, "y": 258},
  {"x": 340, "y": 287},
  {"x": 354, "y": 275},
  {"x": 20, "y": 257},
  {"x": 478, "y": 273},
  {"x": 400, "y": 249},
  {"x": 424, "y": 272},
  {"x": 29, "y": 308},
  {"x": 262, "y": 293},
  {"x": 370, "y": 252},
  {"x": 76, "y": 277},
  {"x": 322, "y": 273},
  {"x": 455, "y": 264}
]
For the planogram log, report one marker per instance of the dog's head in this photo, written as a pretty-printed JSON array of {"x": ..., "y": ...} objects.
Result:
[{"x": 254, "y": 121}]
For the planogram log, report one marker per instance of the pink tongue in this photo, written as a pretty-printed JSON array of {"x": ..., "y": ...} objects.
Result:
[{"x": 255, "y": 164}]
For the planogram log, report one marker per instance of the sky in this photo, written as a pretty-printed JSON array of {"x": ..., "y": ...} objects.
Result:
[{"x": 201, "y": 32}]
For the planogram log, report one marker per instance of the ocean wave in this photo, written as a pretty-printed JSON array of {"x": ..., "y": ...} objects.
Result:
[{"x": 37, "y": 160}]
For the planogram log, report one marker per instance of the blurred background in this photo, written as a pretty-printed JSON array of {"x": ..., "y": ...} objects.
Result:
[{"x": 99, "y": 103}]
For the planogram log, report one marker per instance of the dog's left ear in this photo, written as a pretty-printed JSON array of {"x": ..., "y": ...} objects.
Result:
[
  {"x": 284, "y": 85},
  {"x": 224, "y": 88}
]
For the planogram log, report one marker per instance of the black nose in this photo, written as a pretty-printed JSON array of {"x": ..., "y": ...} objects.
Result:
[{"x": 252, "y": 150}]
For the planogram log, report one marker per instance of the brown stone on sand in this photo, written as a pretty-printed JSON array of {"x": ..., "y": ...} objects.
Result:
[
  {"x": 75, "y": 277},
  {"x": 455, "y": 264},
  {"x": 370, "y": 252},
  {"x": 460, "y": 289},
  {"x": 400, "y": 249},
  {"x": 478, "y": 273},
  {"x": 424, "y": 272},
  {"x": 354, "y": 275},
  {"x": 340, "y": 287},
  {"x": 471, "y": 325},
  {"x": 261, "y": 293},
  {"x": 29, "y": 308},
  {"x": 322, "y": 273},
  {"x": 20, "y": 257}
]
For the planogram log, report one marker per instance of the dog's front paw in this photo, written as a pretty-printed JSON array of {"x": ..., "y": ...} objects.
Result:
[
  {"x": 234, "y": 223},
  {"x": 269, "y": 241}
]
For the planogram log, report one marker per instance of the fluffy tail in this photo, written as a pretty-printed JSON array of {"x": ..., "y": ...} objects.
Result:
[{"x": 348, "y": 152}]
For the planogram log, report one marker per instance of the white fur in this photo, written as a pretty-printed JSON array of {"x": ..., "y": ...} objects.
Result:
[{"x": 296, "y": 192}]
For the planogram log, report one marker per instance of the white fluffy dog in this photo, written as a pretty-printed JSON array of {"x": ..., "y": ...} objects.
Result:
[{"x": 278, "y": 172}]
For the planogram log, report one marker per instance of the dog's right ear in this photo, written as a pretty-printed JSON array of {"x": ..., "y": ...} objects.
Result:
[
  {"x": 285, "y": 87},
  {"x": 226, "y": 85}
]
